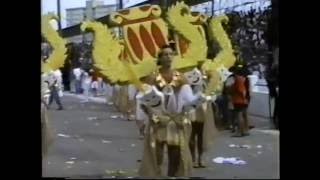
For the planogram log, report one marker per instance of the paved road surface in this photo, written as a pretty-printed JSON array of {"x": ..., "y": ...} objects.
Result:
[{"x": 92, "y": 140}]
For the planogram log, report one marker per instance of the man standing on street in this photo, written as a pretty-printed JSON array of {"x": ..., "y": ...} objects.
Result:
[
  {"x": 77, "y": 74},
  {"x": 240, "y": 97},
  {"x": 55, "y": 87}
]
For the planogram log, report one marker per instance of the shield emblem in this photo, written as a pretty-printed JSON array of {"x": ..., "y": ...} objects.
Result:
[{"x": 144, "y": 31}]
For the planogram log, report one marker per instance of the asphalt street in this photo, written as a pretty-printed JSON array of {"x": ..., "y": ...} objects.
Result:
[{"x": 93, "y": 140}]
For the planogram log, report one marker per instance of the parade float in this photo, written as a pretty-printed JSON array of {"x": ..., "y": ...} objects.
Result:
[{"x": 127, "y": 59}]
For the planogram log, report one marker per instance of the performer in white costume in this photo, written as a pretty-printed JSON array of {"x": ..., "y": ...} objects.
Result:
[
  {"x": 166, "y": 104},
  {"x": 202, "y": 117}
]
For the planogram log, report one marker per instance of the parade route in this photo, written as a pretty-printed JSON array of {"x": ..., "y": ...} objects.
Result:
[{"x": 93, "y": 140}]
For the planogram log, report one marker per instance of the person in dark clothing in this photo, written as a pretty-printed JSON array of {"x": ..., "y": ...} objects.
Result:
[
  {"x": 240, "y": 96},
  {"x": 54, "y": 95},
  {"x": 273, "y": 85},
  {"x": 228, "y": 113}
]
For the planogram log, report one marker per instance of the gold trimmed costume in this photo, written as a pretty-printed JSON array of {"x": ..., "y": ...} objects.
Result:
[{"x": 171, "y": 128}]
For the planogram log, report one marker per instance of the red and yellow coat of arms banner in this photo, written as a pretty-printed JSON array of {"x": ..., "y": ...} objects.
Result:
[{"x": 144, "y": 31}]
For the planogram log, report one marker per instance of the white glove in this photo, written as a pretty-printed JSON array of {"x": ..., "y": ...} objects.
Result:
[{"x": 212, "y": 98}]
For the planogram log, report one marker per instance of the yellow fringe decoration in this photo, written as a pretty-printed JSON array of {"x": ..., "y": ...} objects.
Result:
[
  {"x": 106, "y": 57},
  {"x": 225, "y": 57},
  {"x": 197, "y": 50},
  {"x": 58, "y": 56}
]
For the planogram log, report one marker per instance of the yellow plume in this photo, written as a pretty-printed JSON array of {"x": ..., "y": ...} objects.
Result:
[
  {"x": 197, "y": 50},
  {"x": 58, "y": 56},
  {"x": 106, "y": 54},
  {"x": 225, "y": 58},
  {"x": 215, "y": 84}
]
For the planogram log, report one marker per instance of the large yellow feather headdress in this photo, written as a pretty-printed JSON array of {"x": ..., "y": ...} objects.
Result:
[
  {"x": 58, "y": 56},
  {"x": 180, "y": 20},
  {"x": 144, "y": 33},
  {"x": 224, "y": 59},
  {"x": 107, "y": 57}
]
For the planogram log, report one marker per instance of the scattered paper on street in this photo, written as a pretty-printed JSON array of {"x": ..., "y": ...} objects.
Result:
[
  {"x": 106, "y": 141},
  {"x": 233, "y": 145},
  {"x": 232, "y": 160},
  {"x": 92, "y": 118},
  {"x": 245, "y": 146},
  {"x": 63, "y": 135}
]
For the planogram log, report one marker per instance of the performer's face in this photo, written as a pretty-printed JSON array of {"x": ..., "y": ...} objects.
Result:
[
  {"x": 194, "y": 77},
  {"x": 166, "y": 57}
]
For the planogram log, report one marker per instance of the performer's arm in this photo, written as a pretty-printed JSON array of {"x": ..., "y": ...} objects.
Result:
[{"x": 189, "y": 98}]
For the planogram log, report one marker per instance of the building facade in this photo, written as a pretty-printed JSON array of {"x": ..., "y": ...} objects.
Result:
[{"x": 93, "y": 10}]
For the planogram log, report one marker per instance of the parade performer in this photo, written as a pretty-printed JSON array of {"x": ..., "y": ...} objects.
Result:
[
  {"x": 126, "y": 101},
  {"x": 123, "y": 100},
  {"x": 171, "y": 127},
  {"x": 130, "y": 113},
  {"x": 203, "y": 127},
  {"x": 145, "y": 34}
]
